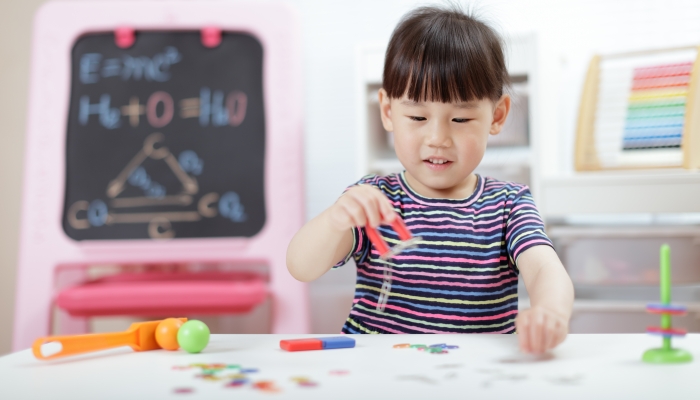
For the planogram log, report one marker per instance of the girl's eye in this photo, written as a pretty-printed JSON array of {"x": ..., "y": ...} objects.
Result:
[
  {"x": 461, "y": 120},
  {"x": 417, "y": 118}
]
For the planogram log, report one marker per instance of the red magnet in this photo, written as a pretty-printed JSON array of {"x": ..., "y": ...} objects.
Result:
[
  {"x": 301, "y": 344},
  {"x": 407, "y": 240},
  {"x": 124, "y": 37}
]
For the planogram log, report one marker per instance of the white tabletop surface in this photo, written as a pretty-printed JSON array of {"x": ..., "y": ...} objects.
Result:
[{"x": 484, "y": 367}]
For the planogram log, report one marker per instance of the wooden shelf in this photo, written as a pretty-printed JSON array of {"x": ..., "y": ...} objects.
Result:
[
  {"x": 645, "y": 231},
  {"x": 621, "y": 306},
  {"x": 496, "y": 157},
  {"x": 623, "y": 192},
  {"x": 581, "y": 305}
]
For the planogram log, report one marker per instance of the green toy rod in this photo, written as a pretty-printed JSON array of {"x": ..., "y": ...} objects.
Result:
[
  {"x": 665, "y": 290},
  {"x": 666, "y": 354}
]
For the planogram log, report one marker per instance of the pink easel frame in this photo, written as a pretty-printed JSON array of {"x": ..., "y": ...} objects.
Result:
[{"x": 43, "y": 244}]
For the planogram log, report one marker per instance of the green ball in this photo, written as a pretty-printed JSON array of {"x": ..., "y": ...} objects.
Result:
[{"x": 193, "y": 336}]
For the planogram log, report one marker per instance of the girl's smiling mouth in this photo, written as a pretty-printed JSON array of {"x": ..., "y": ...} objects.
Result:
[{"x": 437, "y": 163}]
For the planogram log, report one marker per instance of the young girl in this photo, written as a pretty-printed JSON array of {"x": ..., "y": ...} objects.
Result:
[{"x": 442, "y": 96}]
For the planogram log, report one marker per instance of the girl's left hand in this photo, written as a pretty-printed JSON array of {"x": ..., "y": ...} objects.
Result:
[{"x": 540, "y": 329}]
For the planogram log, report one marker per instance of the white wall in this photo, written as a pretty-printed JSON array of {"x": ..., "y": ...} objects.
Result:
[
  {"x": 15, "y": 19},
  {"x": 569, "y": 31}
]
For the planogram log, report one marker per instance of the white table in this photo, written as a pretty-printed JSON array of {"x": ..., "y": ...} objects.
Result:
[{"x": 484, "y": 367}]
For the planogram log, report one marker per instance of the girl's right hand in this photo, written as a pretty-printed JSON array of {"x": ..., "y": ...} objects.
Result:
[{"x": 359, "y": 206}]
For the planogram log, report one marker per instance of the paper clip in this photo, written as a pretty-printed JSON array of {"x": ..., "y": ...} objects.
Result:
[{"x": 385, "y": 252}]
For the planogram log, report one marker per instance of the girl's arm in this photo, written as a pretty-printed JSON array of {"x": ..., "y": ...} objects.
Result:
[
  {"x": 327, "y": 239},
  {"x": 317, "y": 247},
  {"x": 546, "y": 323}
]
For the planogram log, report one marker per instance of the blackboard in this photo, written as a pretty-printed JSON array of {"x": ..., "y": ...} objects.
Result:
[{"x": 166, "y": 138}]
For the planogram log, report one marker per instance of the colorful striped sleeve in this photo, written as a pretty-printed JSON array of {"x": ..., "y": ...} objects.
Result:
[
  {"x": 360, "y": 247},
  {"x": 524, "y": 227}
]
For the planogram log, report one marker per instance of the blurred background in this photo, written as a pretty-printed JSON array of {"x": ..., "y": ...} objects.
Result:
[{"x": 607, "y": 225}]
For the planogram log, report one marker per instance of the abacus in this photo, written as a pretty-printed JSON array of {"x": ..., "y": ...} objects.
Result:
[
  {"x": 666, "y": 354},
  {"x": 640, "y": 110}
]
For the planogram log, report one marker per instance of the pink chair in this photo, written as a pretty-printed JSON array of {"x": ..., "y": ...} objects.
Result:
[{"x": 53, "y": 268}]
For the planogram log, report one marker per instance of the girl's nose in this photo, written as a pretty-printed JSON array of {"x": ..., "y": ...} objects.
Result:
[{"x": 439, "y": 136}]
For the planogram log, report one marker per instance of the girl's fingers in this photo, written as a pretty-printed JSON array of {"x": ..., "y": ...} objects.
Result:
[
  {"x": 355, "y": 212},
  {"x": 536, "y": 334},
  {"x": 378, "y": 208},
  {"x": 371, "y": 206},
  {"x": 539, "y": 331},
  {"x": 521, "y": 325},
  {"x": 545, "y": 333},
  {"x": 387, "y": 209},
  {"x": 375, "y": 207},
  {"x": 552, "y": 329},
  {"x": 562, "y": 331}
]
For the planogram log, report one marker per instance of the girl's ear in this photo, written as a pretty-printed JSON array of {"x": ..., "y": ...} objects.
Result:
[
  {"x": 385, "y": 110},
  {"x": 500, "y": 113}
]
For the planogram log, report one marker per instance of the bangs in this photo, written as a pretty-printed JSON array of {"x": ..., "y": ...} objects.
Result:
[{"x": 444, "y": 56}]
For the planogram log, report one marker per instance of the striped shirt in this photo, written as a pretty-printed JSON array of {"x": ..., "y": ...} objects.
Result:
[{"x": 462, "y": 277}]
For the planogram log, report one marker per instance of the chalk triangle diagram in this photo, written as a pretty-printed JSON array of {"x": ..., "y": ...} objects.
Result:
[{"x": 159, "y": 222}]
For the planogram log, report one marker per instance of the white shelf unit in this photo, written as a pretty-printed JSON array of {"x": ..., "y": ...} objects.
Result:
[
  {"x": 508, "y": 155},
  {"x": 621, "y": 192},
  {"x": 622, "y": 208},
  {"x": 607, "y": 226}
]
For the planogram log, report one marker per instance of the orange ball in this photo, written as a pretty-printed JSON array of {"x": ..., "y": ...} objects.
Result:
[{"x": 166, "y": 333}]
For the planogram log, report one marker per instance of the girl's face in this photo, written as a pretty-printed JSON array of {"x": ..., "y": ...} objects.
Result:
[{"x": 441, "y": 144}]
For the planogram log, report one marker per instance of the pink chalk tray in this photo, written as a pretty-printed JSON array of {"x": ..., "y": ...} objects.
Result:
[{"x": 149, "y": 294}]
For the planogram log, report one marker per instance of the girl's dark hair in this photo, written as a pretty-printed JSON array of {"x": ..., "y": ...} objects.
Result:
[{"x": 443, "y": 54}]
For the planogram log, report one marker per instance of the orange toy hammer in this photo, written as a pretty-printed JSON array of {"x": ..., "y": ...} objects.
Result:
[{"x": 141, "y": 336}]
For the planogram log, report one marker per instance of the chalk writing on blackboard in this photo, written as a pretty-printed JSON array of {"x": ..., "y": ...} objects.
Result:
[
  {"x": 165, "y": 138},
  {"x": 97, "y": 213},
  {"x": 214, "y": 108},
  {"x": 93, "y": 66}
]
